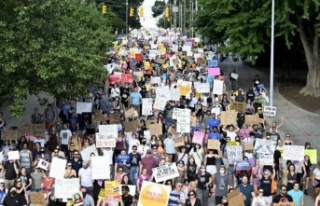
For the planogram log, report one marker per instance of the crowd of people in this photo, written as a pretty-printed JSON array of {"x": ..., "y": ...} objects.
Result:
[{"x": 206, "y": 175}]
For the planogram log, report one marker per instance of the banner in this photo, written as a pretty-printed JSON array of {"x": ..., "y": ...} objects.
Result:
[
  {"x": 153, "y": 194},
  {"x": 114, "y": 79},
  {"x": 293, "y": 152},
  {"x": 217, "y": 87},
  {"x": 183, "y": 121},
  {"x": 66, "y": 188},
  {"x": 165, "y": 172},
  {"x": 100, "y": 167},
  {"x": 84, "y": 107},
  {"x": 312, "y": 153},
  {"x": 106, "y": 139},
  {"x": 147, "y": 106},
  {"x": 198, "y": 137},
  {"x": 234, "y": 154}
]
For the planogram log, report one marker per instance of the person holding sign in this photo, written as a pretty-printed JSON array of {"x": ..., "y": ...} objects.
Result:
[{"x": 13, "y": 198}]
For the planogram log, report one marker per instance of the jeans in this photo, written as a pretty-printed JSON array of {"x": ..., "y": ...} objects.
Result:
[
  {"x": 203, "y": 196},
  {"x": 134, "y": 171},
  {"x": 89, "y": 190}
]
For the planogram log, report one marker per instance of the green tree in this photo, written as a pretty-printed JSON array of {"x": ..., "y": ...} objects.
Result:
[
  {"x": 246, "y": 26},
  {"x": 158, "y": 8},
  {"x": 55, "y": 46},
  {"x": 164, "y": 23}
]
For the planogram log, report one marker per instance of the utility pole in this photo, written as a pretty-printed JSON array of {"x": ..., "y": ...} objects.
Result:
[
  {"x": 181, "y": 29},
  {"x": 192, "y": 16},
  {"x": 174, "y": 14},
  {"x": 127, "y": 22}
]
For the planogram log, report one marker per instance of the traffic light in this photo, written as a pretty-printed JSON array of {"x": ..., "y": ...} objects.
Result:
[
  {"x": 167, "y": 12},
  {"x": 141, "y": 12},
  {"x": 104, "y": 9},
  {"x": 131, "y": 13}
]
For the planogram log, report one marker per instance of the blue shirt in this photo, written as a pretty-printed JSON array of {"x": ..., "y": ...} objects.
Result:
[
  {"x": 215, "y": 136},
  {"x": 123, "y": 159},
  {"x": 246, "y": 191},
  {"x": 296, "y": 196},
  {"x": 135, "y": 98},
  {"x": 213, "y": 123}
]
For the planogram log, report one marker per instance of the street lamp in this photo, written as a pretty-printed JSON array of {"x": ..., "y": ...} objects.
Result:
[
  {"x": 272, "y": 54},
  {"x": 127, "y": 5}
]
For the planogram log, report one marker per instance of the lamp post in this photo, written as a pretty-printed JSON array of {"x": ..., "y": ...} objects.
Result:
[
  {"x": 127, "y": 5},
  {"x": 272, "y": 54}
]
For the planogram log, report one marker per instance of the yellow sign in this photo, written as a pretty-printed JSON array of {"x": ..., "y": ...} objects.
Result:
[
  {"x": 185, "y": 88},
  {"x": 233, "y": 144},
  {"x": 312, "y": 153},
  {"x": 112, "y": 189},
  {"x": 102, "y": 194},
  {"x": 154, "y": 194}
]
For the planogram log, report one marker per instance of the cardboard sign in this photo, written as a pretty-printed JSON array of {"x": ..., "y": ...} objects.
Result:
[
  {"x": 214, "y": 71},
  {"x": 38, "y": 130},
  {"x": 248, "y": 146},
  {"x": 217, "y": 87},
  {"x": 235, "y": 198},
  {"x": 114, "y": 118},
  {"x": 155, "y": 129},
  {"x": 42, "y": 164},
  {"x": 269, "y": 111},
  {"x": 198, "y": 137},
  {"x": 148, "y": 122},
  {"x": 228, "y": 117},
  {"x": 106, "y": 139},
  {"x": 99, "y": 118},
  {"x": 13, "y": 155},
  {"x": 238, "y": 106},
  {"x": 147, "y": 106},
  {"x": 126, "y": 78},
  {"x": 66, "y": 188},
  {"x": 57, "y": 168},
  {"x": 253, "y": 119},
  {"x": 84, "y": 107},
  {"x": 213, "y": 144},
  {"x": 158, "y": 197},
  {"x": 234, "y": 154},
  {"x": 100, "y": 167},
  {"x": 293, "y": 152},
  {"x": 37, "y": 198},
  {"x": 165, "y": 172},
  {"x": 178, "y": 141},
  {"x": 312, "y": 153},
  {"x": 131, "y": 126},
  {"x": 10, "y": 135},
  {"x": 130, "y": 113},
  {"x": 285, "y": 204}
]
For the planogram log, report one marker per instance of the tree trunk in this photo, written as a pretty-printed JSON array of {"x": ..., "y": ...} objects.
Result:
[{"x": 311, "y": 49}]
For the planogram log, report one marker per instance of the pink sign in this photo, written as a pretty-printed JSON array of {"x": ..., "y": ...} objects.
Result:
[
  {"x": 214, "y": 71},
  {"x": 198, "y": 137}
]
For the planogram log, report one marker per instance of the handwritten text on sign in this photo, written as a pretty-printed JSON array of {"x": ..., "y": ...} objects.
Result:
[
  {"x": 183, "y": 122},
  {"x": 293, "y": 152},
  {"x": 147, "y": 106},
  {"x": 234, "y": 154},
  {"x": 165, "y": 172},
  {"x": 106, "y": 139},
  {"x": 65, "y": 188}
]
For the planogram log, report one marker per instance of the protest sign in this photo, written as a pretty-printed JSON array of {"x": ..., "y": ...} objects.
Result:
[
  {"x": 234, "y": 154},
  {"x": 218, "y": 87},
  {"x": 106, "y": 139},
  {"x": 86, "y": 152},
  {"x": 109, "y": 128},
  {"x": 228, "y": 117},
  {"x": 132, "y": 125},
  {"x": 184, "y": 88},
  {"x": 9, "y": 135},
  {"x": 212, "y": 63},
  {"x": 265, "y": 159},
  {"x": 269, "y": 111},
  {"x": 264, "y": 146},
  {"x": 253, "y": 119},
  {"x": 213, "y": 144},
  {"x": 126, "y": 78},
  {"x": 203, "y": 88},
  {"x": 13, "y": 155},
  {"x": 84, "y": 107},
  {"x": 216, "y": 110},
  {"x": 37, "y": 130},
  {"x": 176, "y": 112},
  {"x": 114, "y": 79},
  {"x": 248, "y": 146},
  {"x": 56, "y": 170},
  {"x": 66, "y": 188},
  {"x": 234, "y": 75},
  {"x": 238, "y": 106},
  {"x": 178, "y": 141},
  {"x": 37, "y": 198},
  {"x": 147, "y": 106},
  {"x": 112, "y": 189},
  {"x": 233, "y": 143},
  {"x": 102, "y": 194},
  {"x": 42, "y": 164},
  {"x": 163, "y": 92},
  {"x": 214, "y": 71},
  {"x": 293, "y": 152},
  {"x": 165, "y": 172},
  {"x": 155, "y": 129},
  {"x": 99, "y": 118},
  {"x": 153, "y": 194},
  {"x": 130, "y": 113},
  {"x": 183, "y": 121},
  {"x": 285, "y": 204},
  {"x": 114, "y": 118},
  {"x": 100, "y": 167},
  {"x": 174, "y": 94},
  {"x": 235, "y": 198},
  {"x": 77, "y": 199},
  {"x": 312, "y": 153},
  {"x": 160, "y": 103},
  {"x": 132, "y": 189},
  {"x": 174, "y": 199},
  {"x": 198, "y": 137},
  {"x": 155, "y": 80}
]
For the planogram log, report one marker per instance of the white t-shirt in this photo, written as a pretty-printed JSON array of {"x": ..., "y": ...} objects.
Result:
[
  {"x": 65, "y": 135},
  {"x": 142, "y": 149},
  {"x": 86, "y": 177},
  {"x": 115, "y": 92},
  {"x": 169, "y": 145},
  {"x": 232, "y": 135},
  {"x": 316, "y": 173}
]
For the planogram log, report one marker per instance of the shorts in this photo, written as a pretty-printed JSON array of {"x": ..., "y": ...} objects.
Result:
[
  {"x": 212, "y": 169},
  {"x": 218, "y": 200}
]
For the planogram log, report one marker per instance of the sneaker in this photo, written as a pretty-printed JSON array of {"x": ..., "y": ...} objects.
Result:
[{"x": 305, "y": 192}]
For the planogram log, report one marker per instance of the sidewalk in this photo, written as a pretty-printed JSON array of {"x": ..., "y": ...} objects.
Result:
[{"x": 301, "y": 124}]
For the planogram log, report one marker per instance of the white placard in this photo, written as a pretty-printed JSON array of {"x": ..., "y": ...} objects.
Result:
[
  {"x": 174, "y": 48},
  {"x": 186, "y": 48},
  {"x": 85, "y": 153},
  {"x": 1, "y": 156},
  {"x": 154, "y": 46},
  {"x": 175, "y": 94},
  {"x": 156, "y": 80},
  {"x": 100, "y": 167},
  {"x": 84, "y": 107},
  {"x": 234, "y": 154},
  {"x": 234, "y": 76},
  {"x": 147, "y": 106},
  {"x": 293, "y": 152},
  {"x": 189, "y": 53},
  {"x": 216, "y": 110},
  {"x": 176, "y": 112},
  {"x": 110, "y": 128},
  {"x": 270, "y": 111},
  {"x": 265, "y": 159},
  {"x": 57, "y": 168},
  {"x": 42, "y": 164},
  {"x": 106, "y": 139},
  {"x": 203, "y": 88},
  {"x": 265, "y": 146},
  {"x": 163, "y": 92},
  {"x": 160, "y": 103},
  {"x": 165, "y": 172},
  {"x": 218, "y": 87},
  {"x": 13, "y": 155},
  {"x": 183, "y": 121},
  {"x": 65, "y": 188}
]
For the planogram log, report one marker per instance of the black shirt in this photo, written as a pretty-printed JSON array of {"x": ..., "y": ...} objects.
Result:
[
  {"x": 282, "y": 198},
  {"x": 10, "y": 172},
  {"x": 203, "y": 180},
  {"x": 197, "y": 203},
  {"x": 127, "y": 200},
  {"x": 276, "y": 156},
  {"x": 17, "y": 200}
]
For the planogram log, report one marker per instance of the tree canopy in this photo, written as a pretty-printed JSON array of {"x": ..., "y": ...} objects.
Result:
[
  {"x": 245, "y": 25},
  {"x": 55, "y": 46}
]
